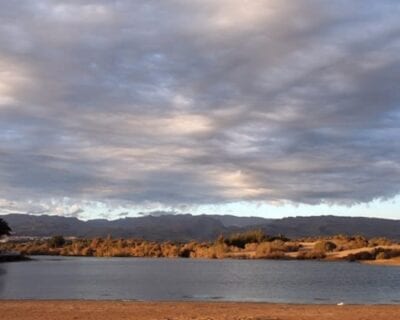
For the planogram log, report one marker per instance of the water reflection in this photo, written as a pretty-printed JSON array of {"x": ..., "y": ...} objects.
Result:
[
  {"x": 3, "y": 272},
  {"x": 187, "y": 279}
]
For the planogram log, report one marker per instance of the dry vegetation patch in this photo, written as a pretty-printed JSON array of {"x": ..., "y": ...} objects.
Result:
[{"x": 252, "y": 244}]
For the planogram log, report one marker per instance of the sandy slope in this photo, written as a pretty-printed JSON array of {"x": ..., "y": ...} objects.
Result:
[
  {"x": 109, "y": 310},
  {"x": 344, "y": 253},
  {"x": 386, "y": 262}
]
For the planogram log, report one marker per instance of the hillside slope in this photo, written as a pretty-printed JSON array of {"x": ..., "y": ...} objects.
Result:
[{"x": 202, "y": 227}]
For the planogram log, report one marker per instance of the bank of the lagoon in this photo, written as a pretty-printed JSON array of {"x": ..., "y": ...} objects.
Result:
[
  {"x": 251, "y": 244},
  {"x": 146, "y": 279},
  {"x": 116, "y": 310},
  {"x": 12, "y": 257}
]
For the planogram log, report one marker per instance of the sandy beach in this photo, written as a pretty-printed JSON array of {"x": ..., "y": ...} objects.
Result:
[
  {"x": 113, "y": 310},
  {"x": 386, "y": 262}
]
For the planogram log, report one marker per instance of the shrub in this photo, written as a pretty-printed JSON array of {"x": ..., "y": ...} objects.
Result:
[
  {"x": 292, "y": 247},
  {"x": 280, "y": 237},
  {"x": 56, "y": 242},
  {"x": 242, "y": 238},
  {"x": 4, "y": 228},
  {"x": 185, "y": 253},
  {"x": 374, "y": 242},
  {"x": 271, "y": 250},
  {"x": 324, "y": 246},
  {"x": 362, "y": 255},
  {"x": 393, "y": 253},
  {"x": 307, "y": 255},
  {"x": 263, "y": 250},
  {"x": 381, "y": 253},
  {"x": 356, "y": 242}
]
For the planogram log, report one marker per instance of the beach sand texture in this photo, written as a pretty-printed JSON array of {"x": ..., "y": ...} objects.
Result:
[{"x": 110, "y": 310}]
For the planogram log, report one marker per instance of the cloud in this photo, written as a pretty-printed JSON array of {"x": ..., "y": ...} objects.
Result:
[
  {"x": 176, "y": 103},
  {"x": 157, "y": 213}
]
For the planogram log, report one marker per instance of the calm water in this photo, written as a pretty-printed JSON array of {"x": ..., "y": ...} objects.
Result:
[{"x": 182, "y": 279}]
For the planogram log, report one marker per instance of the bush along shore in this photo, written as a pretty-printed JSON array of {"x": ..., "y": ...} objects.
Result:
[{"x": 252, "y": 244}]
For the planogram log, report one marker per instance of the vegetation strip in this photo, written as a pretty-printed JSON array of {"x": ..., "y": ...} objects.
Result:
[{"x": 253, "y": 244}]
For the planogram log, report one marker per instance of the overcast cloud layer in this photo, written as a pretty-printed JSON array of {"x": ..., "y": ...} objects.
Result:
[{"x": 183, "y": 103}]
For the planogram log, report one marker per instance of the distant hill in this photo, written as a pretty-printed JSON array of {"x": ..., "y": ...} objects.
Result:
[
  {"x": 235, "y": 221},
  {"x": 202, "y": 228},
  {"x": 164, "y": 227},
  {"x": 295, "y": 227}
]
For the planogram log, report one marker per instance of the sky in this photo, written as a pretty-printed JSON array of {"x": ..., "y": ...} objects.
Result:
[{"x": 268, "y": 108}]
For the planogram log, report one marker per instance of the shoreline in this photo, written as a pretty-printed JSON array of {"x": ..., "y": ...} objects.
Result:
[
  {"x": 14, "y": 258},
  {"x": 177, "y": 310},
  {"x": 394, "y": 262},
  {"x": 204, "y": 301},
  {"x": 246, "y": 246}
]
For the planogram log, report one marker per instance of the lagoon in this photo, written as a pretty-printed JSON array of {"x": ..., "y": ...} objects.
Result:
[{"x": 194, "y": 279}]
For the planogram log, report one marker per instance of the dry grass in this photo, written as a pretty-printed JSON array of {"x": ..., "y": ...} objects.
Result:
[{"x": 248, "y": 245}]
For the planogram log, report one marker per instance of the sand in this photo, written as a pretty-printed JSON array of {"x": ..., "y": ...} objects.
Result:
[
  {"x": 110, "y": 310},
  {"x": 384, "y": 262}
]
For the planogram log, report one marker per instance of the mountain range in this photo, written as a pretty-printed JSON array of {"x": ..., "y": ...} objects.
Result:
[{"x": 186, "y": 227}]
